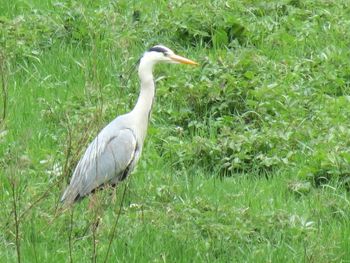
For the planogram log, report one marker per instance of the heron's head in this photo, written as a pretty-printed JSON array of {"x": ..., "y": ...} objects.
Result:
[{"x": 161, "y": 53}]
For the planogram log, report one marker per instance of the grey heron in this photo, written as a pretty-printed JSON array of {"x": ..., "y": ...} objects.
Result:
[{"x": 113, "y": 154}]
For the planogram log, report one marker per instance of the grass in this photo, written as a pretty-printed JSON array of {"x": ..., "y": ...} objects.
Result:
[{"x": 247, "y": 156}]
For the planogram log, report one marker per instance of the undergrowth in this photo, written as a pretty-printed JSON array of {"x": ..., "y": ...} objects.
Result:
[{"x": 270, "y": 99}]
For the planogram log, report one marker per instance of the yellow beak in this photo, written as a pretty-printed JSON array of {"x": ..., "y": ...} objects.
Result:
[{"x": 182, "y": 60}]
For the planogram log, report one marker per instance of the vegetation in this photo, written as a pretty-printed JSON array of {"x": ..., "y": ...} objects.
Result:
[{"x": 247, "y": 158}]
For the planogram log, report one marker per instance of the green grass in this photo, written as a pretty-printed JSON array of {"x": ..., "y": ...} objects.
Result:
[{"x": 247, "y": 157}]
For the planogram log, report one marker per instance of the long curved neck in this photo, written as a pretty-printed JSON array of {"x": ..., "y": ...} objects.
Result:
[{"x": 144, "y": 103}]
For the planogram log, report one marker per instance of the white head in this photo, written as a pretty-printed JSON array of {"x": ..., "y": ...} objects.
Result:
[
  {"x": 161, "y": 53},
  {"x": 155, "y": 55}
]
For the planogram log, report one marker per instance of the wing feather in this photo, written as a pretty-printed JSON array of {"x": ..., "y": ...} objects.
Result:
[{"x": 105, "y": 161}]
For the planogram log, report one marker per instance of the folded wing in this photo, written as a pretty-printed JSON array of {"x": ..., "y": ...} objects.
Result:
[{"x": 106, "y": 160}]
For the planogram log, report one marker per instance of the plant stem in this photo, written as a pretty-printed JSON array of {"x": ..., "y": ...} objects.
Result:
[
  {"x": 15, "y": 207},
  {"x": 115, "y": 224},
  {"x": 4, "y": 86}
]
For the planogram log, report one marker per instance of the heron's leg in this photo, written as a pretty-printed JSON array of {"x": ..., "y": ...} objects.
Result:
[
  {"x": 94, "y": 207},
  {"x": 114, "y": 193},
  {"x": 93, "y": 202}
]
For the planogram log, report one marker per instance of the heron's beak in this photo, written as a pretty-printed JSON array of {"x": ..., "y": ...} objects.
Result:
[{"x": 182, "y": 60}]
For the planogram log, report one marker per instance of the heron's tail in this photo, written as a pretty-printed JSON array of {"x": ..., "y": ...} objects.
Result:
[{"x": 70, "y": 195}]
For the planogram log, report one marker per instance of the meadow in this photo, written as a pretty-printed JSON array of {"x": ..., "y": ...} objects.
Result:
[{"x": 247, "y": 157}]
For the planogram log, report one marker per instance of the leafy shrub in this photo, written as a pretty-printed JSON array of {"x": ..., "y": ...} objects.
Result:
[{"x": 271, "y": 92}]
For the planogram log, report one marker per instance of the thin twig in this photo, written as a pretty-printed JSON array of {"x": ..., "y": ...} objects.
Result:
[
  {"x": 94, "y": 253},
  {"x": 15, "y": 207},
  {"x": 4, "y": 86},
  {"x": 94, "y": 240},
  {"x": 65, "y": 174},
  {"x": 70, "y": 246},
  {"x": 67, "y": 168},
  {"x": 115, "y": 224},
  {"x": 68, "y": 149},
  {"x": 94, "y": 205},
  {"x": 22, "y": 215},
  {"x": 68, "y": 153},
  {"x": 41, "y": 197}
]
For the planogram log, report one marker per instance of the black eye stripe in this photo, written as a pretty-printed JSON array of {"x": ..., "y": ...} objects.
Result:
[{"x": 159, "y": 49}]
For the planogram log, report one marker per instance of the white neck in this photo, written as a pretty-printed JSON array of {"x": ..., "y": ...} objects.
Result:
[{"x": 143, "y": 105}]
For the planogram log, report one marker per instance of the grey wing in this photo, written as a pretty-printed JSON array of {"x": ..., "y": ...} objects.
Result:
[{"x": 106, "y": 160}]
